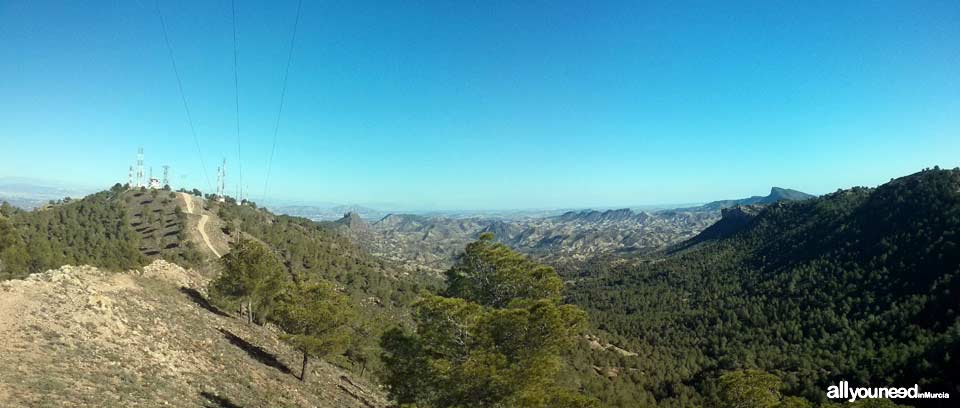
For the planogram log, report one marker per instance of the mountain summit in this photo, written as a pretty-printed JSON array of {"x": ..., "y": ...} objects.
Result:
[
  {"x": 776, "y": 194},
  {"x": 352, "y": 221}
]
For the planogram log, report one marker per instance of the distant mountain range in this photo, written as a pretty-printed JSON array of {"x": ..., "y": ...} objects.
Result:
[
  {"x": 430, "y": 242},
  {"x": 332, "y": 212},
  {"x": 327, "y": 212}
]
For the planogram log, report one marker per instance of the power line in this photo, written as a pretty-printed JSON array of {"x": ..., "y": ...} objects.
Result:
[
  {"x": 283, "y": 93},
  {"x": 236, "y": 93},
  {"x": 186, "y": 108}
]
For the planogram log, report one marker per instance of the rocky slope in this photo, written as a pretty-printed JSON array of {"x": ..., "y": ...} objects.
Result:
[{"x": 79, "y": 336}]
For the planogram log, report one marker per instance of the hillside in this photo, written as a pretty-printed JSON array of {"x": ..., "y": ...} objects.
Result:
[
  {"x": 114, "y": 229},
  {"x": 205, "y": 230},
  {"x": 78, "y": 336},
  {"x": 860, "y": 285},
  {"x": 316, "y": 249},
  {"x": 95, "y": 230},
  {"x": 122, "y": 229},
  {"x": 158, "y": 216},
  {"x": 310, "y": 251}
]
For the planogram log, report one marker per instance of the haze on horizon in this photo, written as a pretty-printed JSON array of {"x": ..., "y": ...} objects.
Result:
[{"x": 527, "y": 105}]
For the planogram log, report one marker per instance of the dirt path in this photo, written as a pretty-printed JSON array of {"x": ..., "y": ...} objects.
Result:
[
  {"x": 189, "y": 200},
  {"x": 206, "y": 239},
  {"x": 201, "y": 226}
]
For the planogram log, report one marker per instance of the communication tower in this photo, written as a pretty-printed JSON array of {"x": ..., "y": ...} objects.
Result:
[
  {"x": 140, "y": 167},
  {"x": 166, "y": 175},
  {"x": 221, "y": 181}
]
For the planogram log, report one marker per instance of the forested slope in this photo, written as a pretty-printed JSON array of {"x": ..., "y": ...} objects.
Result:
[
  {"x": 116, "y": 229},
  {"x": 314, "y": 252},
  {"x": 859, "y": 285},
  {"x": 309, "y": 248},
  {"x": 124, "y": 228},
  {"x": 94, "y": 230}
]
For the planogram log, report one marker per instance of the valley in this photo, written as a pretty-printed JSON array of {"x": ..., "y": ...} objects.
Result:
[
  {"x": 421, "y": 243},
  {"x": 430, "y": 244},
  {"x": 859, "y": 285}
]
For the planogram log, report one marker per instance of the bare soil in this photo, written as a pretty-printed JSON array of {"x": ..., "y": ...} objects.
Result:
[{"x": 78, "y": 337}]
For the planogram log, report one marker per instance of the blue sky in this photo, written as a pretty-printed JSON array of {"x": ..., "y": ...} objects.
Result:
[{"x": 487, "y": 105}]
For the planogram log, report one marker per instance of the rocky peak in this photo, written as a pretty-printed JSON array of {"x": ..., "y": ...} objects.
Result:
[
  {"x": 779, "y": 193},
  {"x": 352, "y": 220}
]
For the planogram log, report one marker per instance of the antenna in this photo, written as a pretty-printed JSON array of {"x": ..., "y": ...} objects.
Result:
[
  {"x": 130, "y": 178},
  {"x": 140, "y": 167},
  {"x": 166, "y": 175},
  {"x": 221, "y": 181}
]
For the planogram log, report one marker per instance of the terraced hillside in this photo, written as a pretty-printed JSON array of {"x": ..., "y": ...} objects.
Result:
[{"x": 161, "y": 224}]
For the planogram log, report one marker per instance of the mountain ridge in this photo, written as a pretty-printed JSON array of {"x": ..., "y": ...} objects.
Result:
[
  {"x": 429, "y": 242},
  {"x": 776, "y": 194},
  {"x": 858, "y": 285}
]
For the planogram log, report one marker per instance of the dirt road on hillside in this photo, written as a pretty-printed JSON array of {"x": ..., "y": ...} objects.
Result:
[{"x": 201, "y": 225}]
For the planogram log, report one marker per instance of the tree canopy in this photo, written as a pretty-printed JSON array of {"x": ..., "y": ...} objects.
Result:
[
  {"x": 493, "y": 340},
  {"x": 252, "y": 277},
  {"x": 491, "y": 274},
  {"x": 94, "y": 231},
  {"x": 317, "y": 320},
  {"x": 859, "y": 285},
  {"x": 749, "y": 389}
]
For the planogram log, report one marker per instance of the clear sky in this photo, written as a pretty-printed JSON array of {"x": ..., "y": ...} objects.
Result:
[{"x": 487, "y": 104}]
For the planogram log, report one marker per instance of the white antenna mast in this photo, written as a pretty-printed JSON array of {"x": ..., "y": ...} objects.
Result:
[
  {"x": 221, "y": 181},
  {"x": 140, "y": 167}
]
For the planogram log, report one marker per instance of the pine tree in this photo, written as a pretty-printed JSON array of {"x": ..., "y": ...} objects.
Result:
[
  {"x": 493, "y": 275},
  {"x": 316, "y": 319},
  {"x": 749, "y": 389},
  {"x": 252, "y": 277},
  {"x": 494, "y": 340}
]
